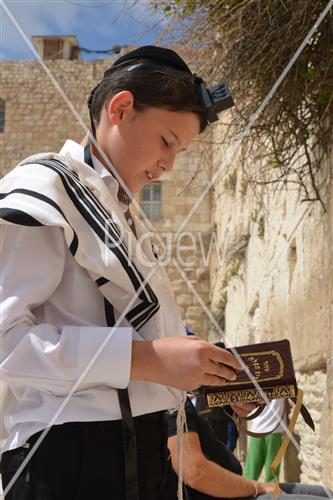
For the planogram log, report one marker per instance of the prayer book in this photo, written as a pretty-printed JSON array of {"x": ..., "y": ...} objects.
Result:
[{"x": 271, "y": 366}]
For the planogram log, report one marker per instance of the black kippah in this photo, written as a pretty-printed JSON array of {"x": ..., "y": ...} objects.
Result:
[{"x": 159, "y": 55}]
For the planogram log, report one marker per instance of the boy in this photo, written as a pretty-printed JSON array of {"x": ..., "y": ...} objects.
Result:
[{"x": 93, "y": 345}]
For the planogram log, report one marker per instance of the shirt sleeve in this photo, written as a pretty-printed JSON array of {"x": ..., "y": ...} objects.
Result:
[{"x": 43, "y": 356}]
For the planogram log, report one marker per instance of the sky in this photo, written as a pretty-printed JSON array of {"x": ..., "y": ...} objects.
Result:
[{"x": 98, "y": 24}]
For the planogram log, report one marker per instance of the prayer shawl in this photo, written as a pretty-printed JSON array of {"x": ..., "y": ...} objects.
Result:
[{"x": 54, "y": 190}]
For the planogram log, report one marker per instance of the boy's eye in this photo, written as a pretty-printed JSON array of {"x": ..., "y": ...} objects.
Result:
[{"x": 165, "y": 142}]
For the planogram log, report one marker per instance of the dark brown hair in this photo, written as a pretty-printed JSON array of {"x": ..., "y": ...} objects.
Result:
[{"x": 159, "y": 89}]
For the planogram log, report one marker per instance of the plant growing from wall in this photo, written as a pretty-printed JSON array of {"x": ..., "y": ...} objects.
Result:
[
  {"x": 249, "y": 43},
  {"x": 234, "y": 269},
  {"x": 219, "y": 310},
  {"x": 230, "y": 181},
  {"x": 261, "y": 227},
  {"x": 259, "y": 219}
]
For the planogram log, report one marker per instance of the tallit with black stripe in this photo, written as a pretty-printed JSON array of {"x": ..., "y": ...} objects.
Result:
[
  {"x": 55, "y": 190},
  {"x": 48, "y": 190}
]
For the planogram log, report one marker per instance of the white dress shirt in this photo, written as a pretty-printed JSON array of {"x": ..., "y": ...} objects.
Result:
[{"x": 52, "y": 323}]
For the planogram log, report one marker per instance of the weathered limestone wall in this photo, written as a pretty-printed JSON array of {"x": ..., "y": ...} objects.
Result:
[
  {"x": 275, "y": 283},
  {"x": 38, "y": 119},
  {"x": 312, "y": 464}
]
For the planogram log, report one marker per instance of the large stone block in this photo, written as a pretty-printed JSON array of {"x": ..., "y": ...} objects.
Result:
[{"x": 326, "y": 427}]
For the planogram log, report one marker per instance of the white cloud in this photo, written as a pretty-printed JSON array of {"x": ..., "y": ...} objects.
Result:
[
  {"x": 121, "y": 21},
  {"x": 35, "y": 18}
]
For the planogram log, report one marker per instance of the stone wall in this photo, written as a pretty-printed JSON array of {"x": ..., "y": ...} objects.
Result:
[
  {"x": 311, "y": 453},
  {"x": 271, "y": 272},
  {"x": 275, "y": 283},
  {"x": 38, "y": 119},
  {"x": 184, "y": 241}
]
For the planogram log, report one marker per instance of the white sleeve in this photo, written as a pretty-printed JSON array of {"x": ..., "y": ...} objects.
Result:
[{"x": 40, "y": 355}]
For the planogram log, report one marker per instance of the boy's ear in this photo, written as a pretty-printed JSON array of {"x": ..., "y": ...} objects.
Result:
[{"x": 121, "y": 103}]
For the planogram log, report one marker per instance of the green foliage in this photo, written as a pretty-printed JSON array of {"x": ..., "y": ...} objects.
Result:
[
  {"x": 249, "y": 44},
  {"x": 224, "y": 299},
  {"x": 219, "y": 312},
  {"x": 231, "y": 181},
  {"x": 235, "y": 268},
  {"x": 261, "y": 227},
  {"x": 259, "y": 219},
  {"x": 254, "y": 215}
]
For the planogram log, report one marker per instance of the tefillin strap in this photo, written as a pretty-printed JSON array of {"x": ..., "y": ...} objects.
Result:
[
  {"x": 129, "y": 435},
  {"x": 123, "y": 197},
  {"x": 87, "y": 155}
]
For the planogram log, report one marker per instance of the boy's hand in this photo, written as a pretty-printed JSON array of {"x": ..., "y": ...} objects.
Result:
[
  {"x": 269, "y": 488},
  {"x": 182, "y": 362},
  {"x": 243, "y": 409}
]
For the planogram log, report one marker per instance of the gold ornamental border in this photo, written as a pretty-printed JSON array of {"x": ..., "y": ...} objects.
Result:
[{"x": 249, "y": 395}]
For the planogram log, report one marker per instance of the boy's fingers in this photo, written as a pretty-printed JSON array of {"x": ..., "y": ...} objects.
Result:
[
  {"x": 227, "y": 358},
  {"x": 214, "y": 380},
  {"x": 222, "y": 371},
  {"x": 243, "y": 409}
]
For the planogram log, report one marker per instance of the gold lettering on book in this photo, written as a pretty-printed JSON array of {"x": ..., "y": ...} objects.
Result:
[
  {"x": 249, "y": 395},
  {"x": 262, "y": 367}
]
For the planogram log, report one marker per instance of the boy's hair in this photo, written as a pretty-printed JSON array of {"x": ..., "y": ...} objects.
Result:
[{"x": 160, "y": 89}]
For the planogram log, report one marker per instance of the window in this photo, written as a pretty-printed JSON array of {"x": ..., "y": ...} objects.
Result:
[
  {"x": 53, "y": 48},
  {"x": 151, "y": 200},
  {"x": 2, "y": 115}
]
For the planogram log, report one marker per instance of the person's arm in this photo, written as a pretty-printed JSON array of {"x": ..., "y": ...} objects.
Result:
[
  {"x": 52, "y": 359},
  {"x": 182, "y": 362},
  {"x": 208, "y": 477},
  {"x": 43, "y": 356}
]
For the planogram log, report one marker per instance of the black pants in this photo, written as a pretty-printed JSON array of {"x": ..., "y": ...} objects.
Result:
[{"x": 85, "y": 461}]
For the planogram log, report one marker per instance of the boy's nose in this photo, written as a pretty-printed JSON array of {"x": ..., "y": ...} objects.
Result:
[
  {"x": 167, "y": 164},
  {"x": 170, "y": 161},
  {"x": 170, "y": 165}
]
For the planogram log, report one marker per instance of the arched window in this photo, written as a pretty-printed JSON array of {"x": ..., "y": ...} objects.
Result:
[
  {"x": 2, "y": 115},
  {"x": 151, "y": 200}
]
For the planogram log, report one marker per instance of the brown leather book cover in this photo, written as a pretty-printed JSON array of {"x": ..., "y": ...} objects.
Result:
[{"x": 271, "y": 365}]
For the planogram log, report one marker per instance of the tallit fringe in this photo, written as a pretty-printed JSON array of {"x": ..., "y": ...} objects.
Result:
[{"x": 181, "y": 428}]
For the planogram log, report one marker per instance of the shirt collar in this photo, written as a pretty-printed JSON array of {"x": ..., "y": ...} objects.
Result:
[{"x": 76, "y": 151}]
